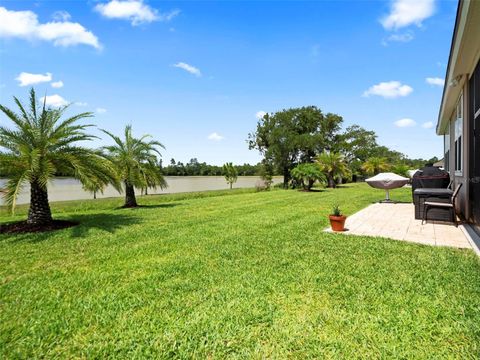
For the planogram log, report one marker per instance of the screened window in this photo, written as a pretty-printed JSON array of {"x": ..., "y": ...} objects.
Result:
[{"x": 459, "y": 136}]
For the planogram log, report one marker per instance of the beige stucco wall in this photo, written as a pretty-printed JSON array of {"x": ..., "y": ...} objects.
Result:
[{"x": 463, "y": 178}]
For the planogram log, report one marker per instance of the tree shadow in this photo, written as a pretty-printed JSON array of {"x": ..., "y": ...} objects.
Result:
[
  {"x": 86, "y": 222},
  {"x": 342, "y": 186},
  {"x": 150, "y": 206}
]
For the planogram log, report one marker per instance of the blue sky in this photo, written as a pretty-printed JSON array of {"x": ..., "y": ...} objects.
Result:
[{"x": 194, "y": 74}]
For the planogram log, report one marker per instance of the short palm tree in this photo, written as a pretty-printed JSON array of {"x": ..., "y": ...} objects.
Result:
[
  {"x": 136, "y": 162},
  {"x": 333, "y": 165},
  {"x": 375, "y": 165},
  {"x": 230, "y": 173},
  {"x": 307, "y": 174},
  {"x": 41, "y": 145}
]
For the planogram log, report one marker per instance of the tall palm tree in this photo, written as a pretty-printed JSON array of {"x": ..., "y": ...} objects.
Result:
[
  {"x": 136, "y": 162},
  {"x": 375, "y": 165},
  {"x": 333, "y": 165},
  {"x": 40, "y": 145}
]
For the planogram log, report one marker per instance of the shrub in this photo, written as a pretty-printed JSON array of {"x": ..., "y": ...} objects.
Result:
[{"x": 307, "y": 175}]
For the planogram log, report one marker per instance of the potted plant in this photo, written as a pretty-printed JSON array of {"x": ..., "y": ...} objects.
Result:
[{"x": 337, "y": 219}]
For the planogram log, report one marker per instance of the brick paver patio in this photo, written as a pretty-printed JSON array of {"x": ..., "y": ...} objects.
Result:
[{"x": 397, "y": 221}]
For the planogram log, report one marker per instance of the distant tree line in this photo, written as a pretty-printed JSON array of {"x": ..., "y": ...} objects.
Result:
[{"x": 196, "y": 168}]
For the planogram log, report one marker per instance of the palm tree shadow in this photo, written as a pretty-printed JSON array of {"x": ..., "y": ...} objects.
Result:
[
  {"x": 101, "y": 221},
  {"x": 151, "y": 206},
  {"x": 86, "y": 223}
]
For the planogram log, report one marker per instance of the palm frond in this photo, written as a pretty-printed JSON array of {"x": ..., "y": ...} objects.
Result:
[{"x": 13, "y": 187}]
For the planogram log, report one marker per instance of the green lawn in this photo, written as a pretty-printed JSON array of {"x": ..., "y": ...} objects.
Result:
[{"x": 232, "y": 274}]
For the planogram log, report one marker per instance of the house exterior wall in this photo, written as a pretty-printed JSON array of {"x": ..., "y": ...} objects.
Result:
[
  {"x": 456, "y": 176},
  {"x": 462, "y": 204},
  {"x": 463, "y": 59}
]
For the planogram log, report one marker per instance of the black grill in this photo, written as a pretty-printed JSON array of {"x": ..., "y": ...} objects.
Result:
[
  {"x": 431, "y": 184},
  {"x": 430, "y": 177}
]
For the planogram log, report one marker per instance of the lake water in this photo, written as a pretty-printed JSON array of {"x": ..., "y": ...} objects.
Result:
[{"x": 62, "y": 189}]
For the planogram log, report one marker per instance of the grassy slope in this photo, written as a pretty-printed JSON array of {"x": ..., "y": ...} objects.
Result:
[{"x": 244, "y": 275}]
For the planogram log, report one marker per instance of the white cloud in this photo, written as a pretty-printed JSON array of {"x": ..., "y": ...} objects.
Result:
[
  {"x": 260, "y": 114},
  {"x": 215, "y": 137},
  {"x": 405, "y": 123},
  {"x": 57, "y": 84},
  {"x": 407, "y": 12},
  {"x": 135, "y": 11},
  {"x": 405, "y": 37},
  {"x": 427, "y": 125},
  {"x": 54, "y": 100},
  {"x": 79, "y": 103},
  {"x": 390, "y": 89},
  {"x": 25, "y": 25},
  {"x": 189, "y": 68},
  {"x": 101, "y": 110},
  {"x": 61, "y": 16},
  {"x": 435, "y": 81},
  {"x": 26, "y": 79},
  {"x": 168, "y": 16}
]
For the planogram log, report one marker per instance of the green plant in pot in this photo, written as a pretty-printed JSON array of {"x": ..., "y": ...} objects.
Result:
[{"x": 337, "y": 219}]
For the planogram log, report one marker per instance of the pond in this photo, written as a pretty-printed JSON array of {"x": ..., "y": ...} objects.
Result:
[{"x": 61, "y": 189}]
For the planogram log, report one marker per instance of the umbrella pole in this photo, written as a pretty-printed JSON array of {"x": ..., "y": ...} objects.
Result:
[{"x": 387, "y": 195}]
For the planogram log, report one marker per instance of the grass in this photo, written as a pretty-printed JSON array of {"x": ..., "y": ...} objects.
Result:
[{"x": 248, "y": 275}]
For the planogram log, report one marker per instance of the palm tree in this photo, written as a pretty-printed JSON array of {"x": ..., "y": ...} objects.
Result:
[
  {"x": 230, "y": 174},
  {"x": 333, "y": 165},
  {"x": 375, "y": 165},
  {"x": 136, "y": 162},
  {"x": 307, "y": 174},
  {"x": 40, "y": 145}
]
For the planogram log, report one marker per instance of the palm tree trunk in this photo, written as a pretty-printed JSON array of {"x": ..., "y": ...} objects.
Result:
[
  {"x": 286, "y": 177},
  {"x": 231, "y": 185},
  {"x": 39, "y": 212},
  {"x": 331, "y": 182},
  {"x": 310, "y": 184},
  {"x": 130, "y": 200}
]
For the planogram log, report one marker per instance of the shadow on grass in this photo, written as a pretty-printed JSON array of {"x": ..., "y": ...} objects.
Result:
[
  {"x": 150, "y": 206},
  {"x": 100, "y": 221}
]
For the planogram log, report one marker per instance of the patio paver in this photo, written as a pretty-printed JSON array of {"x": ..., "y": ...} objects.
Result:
[{"x": 397, "y": 221}]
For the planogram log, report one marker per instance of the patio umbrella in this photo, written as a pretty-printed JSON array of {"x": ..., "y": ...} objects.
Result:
[{"x": 387, "y": 181}]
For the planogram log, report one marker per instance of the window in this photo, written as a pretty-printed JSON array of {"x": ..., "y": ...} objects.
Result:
[
  {"x": 458, "y": 137},
  {"x": 446, "y": 147}
]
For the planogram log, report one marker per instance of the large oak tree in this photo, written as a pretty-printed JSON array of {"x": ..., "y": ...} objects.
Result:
[{"x": 294, "y": 136}]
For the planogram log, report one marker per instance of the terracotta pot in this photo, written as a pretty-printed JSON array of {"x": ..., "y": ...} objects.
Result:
[{"x": 337, "y": 222}]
